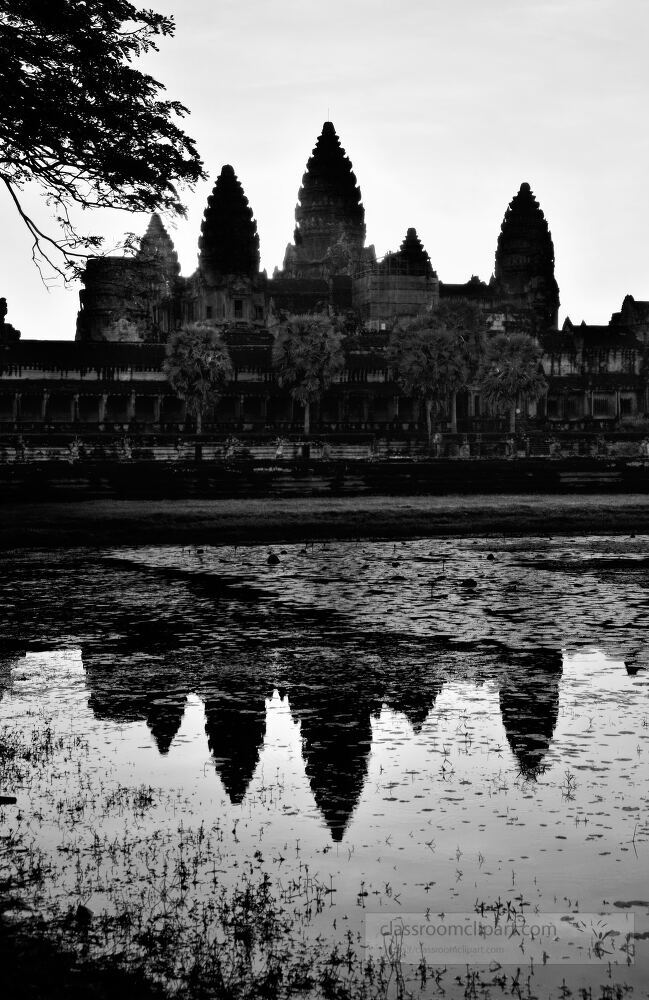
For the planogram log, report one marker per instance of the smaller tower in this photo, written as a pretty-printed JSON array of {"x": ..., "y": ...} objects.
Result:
[
  {"x": 131, "y": 298},
  {"x": 401, "y": 285},
  {"x": 229, "y": 242},
  {"x": 227, "y": 286},
  {"x": 157, "y": 250}
]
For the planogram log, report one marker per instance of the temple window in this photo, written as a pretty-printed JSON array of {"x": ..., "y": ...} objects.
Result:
[
  {"x": 208, "y": 312},
  {"x": 238, "y": 308}
]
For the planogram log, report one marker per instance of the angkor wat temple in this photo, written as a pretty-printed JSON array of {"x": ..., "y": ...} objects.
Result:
[{"x": 110, "y": 378}]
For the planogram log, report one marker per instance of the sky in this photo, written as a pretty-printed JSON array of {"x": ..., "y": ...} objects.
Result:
[{"x": 444, "y": 106}]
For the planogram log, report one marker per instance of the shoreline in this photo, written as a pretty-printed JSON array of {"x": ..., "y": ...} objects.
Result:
[{"x": 102, "y": 523}]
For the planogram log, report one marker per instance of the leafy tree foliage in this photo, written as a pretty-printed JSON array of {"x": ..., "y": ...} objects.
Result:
[
  {"x": 511, "y": 368},
  {"x": 198, "y": 366},
  {"x": 307, "y": 355},
  {"x": 430, "y": 358},
  {"x": 79, "y": 120}
]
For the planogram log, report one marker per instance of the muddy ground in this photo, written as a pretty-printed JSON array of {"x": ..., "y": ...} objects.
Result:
[{"x": 241, "y": 521}]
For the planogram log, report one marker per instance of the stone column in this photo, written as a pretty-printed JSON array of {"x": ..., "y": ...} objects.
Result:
[
  {"x": 157, "y": 409},
  {"x": 44, "y": 401},
  {"x": 130, "y": 409},
  {"x": 16, "y": 407},
  {"x": 103, "y": 403},
  {"x": 264, "y": 409},
  {"x": 74, "y": 407},
  {"x": 395, "y": 408}
]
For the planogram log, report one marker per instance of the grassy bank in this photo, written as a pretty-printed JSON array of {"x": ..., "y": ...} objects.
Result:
[{"x": 132, "y": 522}]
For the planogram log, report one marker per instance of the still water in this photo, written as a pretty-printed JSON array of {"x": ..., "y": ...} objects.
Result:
[{"x": 384, "y": 732}]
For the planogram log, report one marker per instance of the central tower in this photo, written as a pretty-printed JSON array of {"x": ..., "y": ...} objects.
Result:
[{"x": 329, "y": 236}]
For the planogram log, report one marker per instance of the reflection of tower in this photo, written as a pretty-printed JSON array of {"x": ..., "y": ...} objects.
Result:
[
  {"x": 529, "y": 705},
  {"x": 135, "y": 689},
  {"x": 336, "y": 740},
  {"x": 414, "y": 694},
  {"x": 235, "y": 725}
]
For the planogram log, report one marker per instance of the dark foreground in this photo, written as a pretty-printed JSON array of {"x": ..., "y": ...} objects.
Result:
[{"x": 246, "y": 521}]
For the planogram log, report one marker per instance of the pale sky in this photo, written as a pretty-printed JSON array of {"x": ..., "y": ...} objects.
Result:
[{"x": 444, "y": 107}]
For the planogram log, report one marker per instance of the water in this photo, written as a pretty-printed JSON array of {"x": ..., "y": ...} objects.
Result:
[{"x": 454, "y": 727}]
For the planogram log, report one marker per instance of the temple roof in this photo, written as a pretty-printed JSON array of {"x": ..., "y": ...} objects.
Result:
[{"x": 229, "y": 243}]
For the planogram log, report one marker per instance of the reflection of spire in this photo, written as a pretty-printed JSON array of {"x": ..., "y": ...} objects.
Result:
[
  {"x": 164, "y": 716},
  {"x": 336, "y": 739},
  {"x": 235, "y": 726},
  {"x": 415, "y": 695},
  {"x": 137, "y": 689},
  {"x": 529, "y": 705}
]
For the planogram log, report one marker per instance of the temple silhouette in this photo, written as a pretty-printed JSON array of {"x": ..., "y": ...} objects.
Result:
[{"x": 111, "y": 380}]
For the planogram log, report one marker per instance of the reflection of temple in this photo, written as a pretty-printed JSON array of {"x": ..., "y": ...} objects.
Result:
[
  {"x": 136, "y": 688},
  {"x": 414, "y": 694},
  {"x": 334, "y": 701},
  {"x": 529, "y": 705},
  {"x": 235, "y": 723},
  {"x": 336, "y": 730}
]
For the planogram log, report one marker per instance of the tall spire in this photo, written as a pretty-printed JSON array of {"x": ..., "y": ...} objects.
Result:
[
  {"x": 229, "y": 243},
  {"x": 525, "y": 256},
  {"x": 329, "y": 208}
]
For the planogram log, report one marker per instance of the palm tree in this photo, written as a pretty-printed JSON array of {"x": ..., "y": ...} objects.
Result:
[
  {"x": 466, "y": 321},
  {"x": 197, "y": 366},
  {"x": 511, "y": 369},
  {"x": 430, "y": 362},
  {"x": 307, "y": 355}
]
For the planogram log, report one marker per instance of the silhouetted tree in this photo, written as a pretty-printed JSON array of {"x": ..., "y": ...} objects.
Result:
[
  {"x": 511, "y": 368},
  {"x": 81, "y": 122},
  {"x": 198, "y": 366},
  {"x": 429, "y": 361},
  {"x": 307, "y": 355}
]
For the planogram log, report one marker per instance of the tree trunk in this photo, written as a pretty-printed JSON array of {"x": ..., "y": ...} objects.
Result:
[
  {"x": 453, "y": 413},
  {"x": 429, "y": 420},
  {"x": 512, "y": 419},
  {"x": 199, "y": 421},
  {"x": 307, "y": 419}
]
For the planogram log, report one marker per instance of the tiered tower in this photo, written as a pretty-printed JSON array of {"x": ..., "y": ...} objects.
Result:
[
  {"x": 229, "y": 242},
  {"x": 525, "y": 259},
  {"x": 329, "y": 236}
]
